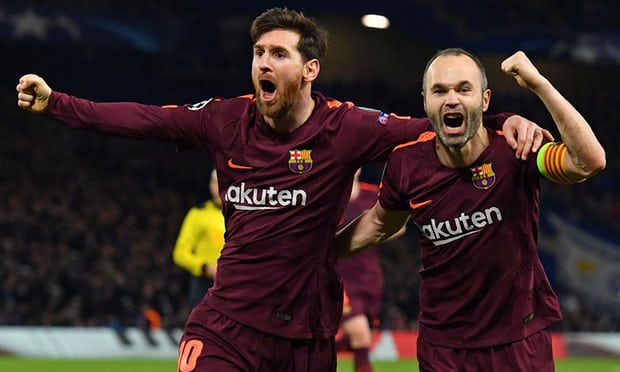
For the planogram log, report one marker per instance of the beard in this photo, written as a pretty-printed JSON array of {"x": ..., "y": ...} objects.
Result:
[
  {"x": 472, "y": 123},
  {"x": 284, "y": 102}
]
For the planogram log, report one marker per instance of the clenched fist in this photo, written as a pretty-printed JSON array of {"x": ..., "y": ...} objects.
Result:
[
  {"x": 523, "y": 70},
  {"x": 33, "y": 93}
]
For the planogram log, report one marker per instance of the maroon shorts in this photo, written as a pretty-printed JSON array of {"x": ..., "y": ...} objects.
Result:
[
  {"x": 366, "y": 303},
  {"x": 533, "y": 353},
  {"x": 223, "y": 345}
]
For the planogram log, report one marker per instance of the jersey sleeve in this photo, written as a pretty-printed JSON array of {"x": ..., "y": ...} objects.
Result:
[
  {"x": 389, "y": 196},
  {"x": 496, "y": 122},
  {"x": 367, "y": 135},
  {"x": 181, "y": 125}
]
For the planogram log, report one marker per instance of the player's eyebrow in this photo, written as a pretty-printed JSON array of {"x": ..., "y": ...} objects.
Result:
[
  {"x": 273, "y": 48},
  {"x": 443, "y": 85}
]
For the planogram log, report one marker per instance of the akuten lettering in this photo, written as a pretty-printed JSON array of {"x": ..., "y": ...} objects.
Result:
[
  {"x": 448, "y": 231},
  {"x": 255, "y": 199}
]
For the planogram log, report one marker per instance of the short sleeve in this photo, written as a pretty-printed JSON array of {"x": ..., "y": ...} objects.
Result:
[{"x": 390, "y": 197}]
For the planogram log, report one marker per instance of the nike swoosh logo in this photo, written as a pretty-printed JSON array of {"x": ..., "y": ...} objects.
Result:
[
  {"x": 418, "y": 205},
  {"x": 237, "y": 166}
]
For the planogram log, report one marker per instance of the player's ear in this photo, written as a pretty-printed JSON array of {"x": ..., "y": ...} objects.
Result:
[
  {"x": 311, "y": 70},
  {"x": 486, "y": 99}
]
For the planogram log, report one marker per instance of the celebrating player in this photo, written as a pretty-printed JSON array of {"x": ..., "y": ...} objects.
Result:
[{"x": 485, "y": 301}]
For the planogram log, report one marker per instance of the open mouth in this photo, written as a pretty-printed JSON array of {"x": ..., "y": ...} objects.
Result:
[
  {"x": 453, "y": 120},
  {"x": 268, "y": 90},
  {"x": 267, "y": 86}
]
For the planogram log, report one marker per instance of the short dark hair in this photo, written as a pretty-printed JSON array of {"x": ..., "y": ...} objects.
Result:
[
  {"x": 457, "y": 52},
  {"x": 312, "y": 37}
]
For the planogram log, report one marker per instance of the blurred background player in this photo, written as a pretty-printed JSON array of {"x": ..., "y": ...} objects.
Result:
[
  {"x": 200, "y": 242},
  {"x": 363, "y": 284}
]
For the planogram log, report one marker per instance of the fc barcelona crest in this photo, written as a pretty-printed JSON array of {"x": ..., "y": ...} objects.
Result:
[
  {"x": 300, "y": 161},
  {"x": 483, "y": 176}
]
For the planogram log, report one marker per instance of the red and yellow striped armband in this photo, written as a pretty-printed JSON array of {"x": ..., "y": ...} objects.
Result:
[{"x": 550, "y": 161}]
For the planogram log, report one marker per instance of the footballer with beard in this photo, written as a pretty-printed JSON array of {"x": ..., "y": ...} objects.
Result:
[{"x": 485, "y": 301}]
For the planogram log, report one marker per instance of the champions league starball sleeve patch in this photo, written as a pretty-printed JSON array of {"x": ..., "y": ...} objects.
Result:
[{"x": 383, "y": 118}]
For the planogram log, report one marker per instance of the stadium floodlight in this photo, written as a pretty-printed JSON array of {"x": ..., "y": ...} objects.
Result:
[{"x": 375, "y": 21}]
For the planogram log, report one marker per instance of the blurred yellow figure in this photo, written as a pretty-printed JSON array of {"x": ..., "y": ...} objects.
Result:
[{"x": 200, "y": 242}]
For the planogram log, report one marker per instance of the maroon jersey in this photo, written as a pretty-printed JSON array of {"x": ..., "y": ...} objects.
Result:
[
  {"x": 283, "y": 195},
  {"x": 482, "y": 282},
  {"x": 361, "y": 273}
]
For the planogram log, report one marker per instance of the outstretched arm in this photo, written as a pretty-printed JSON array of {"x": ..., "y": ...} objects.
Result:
[
  {"x": 584, "y": 156},
  {"x": 176, "y": 124},
  {"x": 371, "y": 228}
]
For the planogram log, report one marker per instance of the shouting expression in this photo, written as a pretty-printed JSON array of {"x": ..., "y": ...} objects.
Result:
[
  {"x": 454, "y": 99},
  {"x": 277, "y": 73}
]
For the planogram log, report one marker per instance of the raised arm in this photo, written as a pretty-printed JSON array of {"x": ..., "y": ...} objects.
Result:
[
  {"x": 584, "y": 156},
  {"x": 371, "y": 228}
]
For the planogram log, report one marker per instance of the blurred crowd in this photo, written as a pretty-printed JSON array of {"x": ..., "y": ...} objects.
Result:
[{"x": 88, "y": 224}]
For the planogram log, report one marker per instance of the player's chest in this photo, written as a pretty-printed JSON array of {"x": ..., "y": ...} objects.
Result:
[
  {"x": 485, "y": 190},
  {"x": 291, "y": 164}
]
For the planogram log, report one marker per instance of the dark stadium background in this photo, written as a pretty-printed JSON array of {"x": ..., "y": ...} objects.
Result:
[{"x": 87, "y": 222}]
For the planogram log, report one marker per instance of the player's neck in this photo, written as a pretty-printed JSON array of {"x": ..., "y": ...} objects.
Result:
[
  {"x": 454, "y": 157},
  {"x": 296, "y": 116}
]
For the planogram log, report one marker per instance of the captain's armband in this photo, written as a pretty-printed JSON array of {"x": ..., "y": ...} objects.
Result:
[{"x": 550, "y": 162}]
